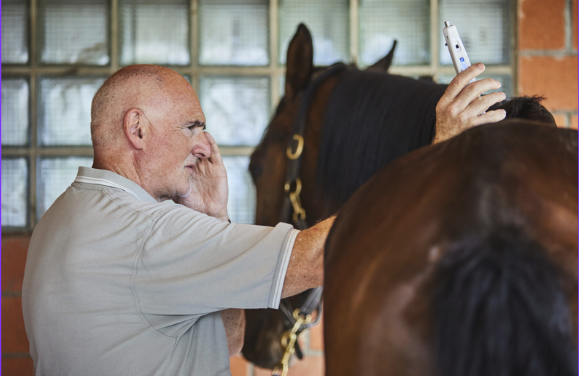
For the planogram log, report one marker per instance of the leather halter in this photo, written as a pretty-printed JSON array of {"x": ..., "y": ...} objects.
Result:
[
  {"x": 292, "y": 211},
  {"x": 293, "y": 182}
]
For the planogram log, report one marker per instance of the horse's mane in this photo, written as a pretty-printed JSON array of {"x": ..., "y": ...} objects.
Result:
[
  {"x": 371, "y": 119},
  {"x": 525, "y": 107}
]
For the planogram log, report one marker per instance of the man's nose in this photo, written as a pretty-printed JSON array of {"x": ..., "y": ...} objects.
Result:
[{"x": 201, "y": 148}]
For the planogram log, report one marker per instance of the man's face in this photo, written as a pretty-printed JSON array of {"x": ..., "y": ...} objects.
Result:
[{"x": 176, "y": 140}]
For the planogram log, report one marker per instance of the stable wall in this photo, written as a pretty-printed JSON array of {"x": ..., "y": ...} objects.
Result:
[{"x": 547, "y": 66}]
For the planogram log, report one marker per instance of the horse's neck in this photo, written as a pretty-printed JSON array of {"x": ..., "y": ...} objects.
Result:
[{"x": 370, "y": 120}]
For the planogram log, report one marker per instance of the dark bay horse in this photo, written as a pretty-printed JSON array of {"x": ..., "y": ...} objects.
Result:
[
  {"x": 459, "y": 259},
  {"x": 356, "y": 122}
]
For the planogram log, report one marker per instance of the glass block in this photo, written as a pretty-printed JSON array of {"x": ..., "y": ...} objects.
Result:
[
  {"x": 381, "y": 22},
  {"x": 154, "y": 32},
  {"x": 281, "y": 86},
  {"x": 327, "y": 21},
  {"x": 484, "y": 29},
  {"x": 506, "y": 81},
  {"x": 15, "y": 100},
  {"x": 236, "y": 108},
  {"x": 241, "y": 204},
  {"x": 74, "y": 32},
  {"x": 233, "y": 32},
  {"x": 14, "y": 192},
  {"x": 64, "y": 110},
  {"x": 54, "y": 176},
  {"x": 14, "y": 31}
]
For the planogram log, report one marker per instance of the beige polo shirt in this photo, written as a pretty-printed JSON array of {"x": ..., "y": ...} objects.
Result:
[{"x": 119, "y": 284}]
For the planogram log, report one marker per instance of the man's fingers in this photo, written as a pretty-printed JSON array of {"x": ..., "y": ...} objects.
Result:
[
  {"x": 481, "y": 104},
  {"x": 490, "y": 117},
  {"x": 473, "y": 91},
  {"x": 476, "y": 89},
  {"x": 459, "y": 82},
  {"x": 215, "y": 154}
]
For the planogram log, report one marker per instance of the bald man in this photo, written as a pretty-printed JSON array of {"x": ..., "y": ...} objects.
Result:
[{"x": 121, "y": 281}]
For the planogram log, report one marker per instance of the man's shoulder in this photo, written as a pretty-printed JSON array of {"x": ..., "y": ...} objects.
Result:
[{"x": 107, "y": 199}]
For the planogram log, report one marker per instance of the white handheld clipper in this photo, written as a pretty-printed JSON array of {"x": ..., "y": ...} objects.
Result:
[{"x": 456, "y": 48}]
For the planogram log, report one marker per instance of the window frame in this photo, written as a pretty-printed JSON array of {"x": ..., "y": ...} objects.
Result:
[{"x": 34, "y": 70}]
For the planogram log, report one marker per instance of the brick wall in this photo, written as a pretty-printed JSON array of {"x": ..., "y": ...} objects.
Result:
[
  {"x": 547, "y": 65},
  {"x": 15, "y": 357},
  {"x": 547, "y": 60}
]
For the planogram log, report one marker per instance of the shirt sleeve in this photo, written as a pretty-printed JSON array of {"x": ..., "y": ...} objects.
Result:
[{"x": 191, "y": 263}]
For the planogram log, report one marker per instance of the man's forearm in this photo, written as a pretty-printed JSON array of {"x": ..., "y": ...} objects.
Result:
[
  {"x": 306, "y": 266},
  {"x": 234, "y": 322}
]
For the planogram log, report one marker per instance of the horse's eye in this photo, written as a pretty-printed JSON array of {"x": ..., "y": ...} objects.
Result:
[{"x": 255, "y": 170}]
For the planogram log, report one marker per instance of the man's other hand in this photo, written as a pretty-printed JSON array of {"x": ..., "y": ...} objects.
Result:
[
  {"x": 209, "y": 188},
  {"x": 462, "y": 106},
  {"x": 234, "y": 323}
]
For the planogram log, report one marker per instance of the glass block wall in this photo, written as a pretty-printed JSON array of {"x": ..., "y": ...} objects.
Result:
[{"x": 56, "y": 54}]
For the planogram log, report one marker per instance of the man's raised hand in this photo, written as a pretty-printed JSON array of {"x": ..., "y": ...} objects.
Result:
[
  {"x": 462, "y": 106},
  {"x": 209, "y": 188}
]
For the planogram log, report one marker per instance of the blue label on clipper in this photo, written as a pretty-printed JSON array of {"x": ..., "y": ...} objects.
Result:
[{"x": 463, "y": 64}]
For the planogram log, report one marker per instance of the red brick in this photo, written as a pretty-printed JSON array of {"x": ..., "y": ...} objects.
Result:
[
  {"x": 554, "y": 78},
  {"x": 317, "y": 337},
  {"x": 261, "y": 371},
  {"x": 561, "y": 120},
  {"x": 17, "y": 367},
  {"x": 14, "y": 251},
  {"x": 541, "y": 24},
  {"x": 14, "y": 338},
  {"x": 238, "y": 366},
  {"x": 574, "y": 20},
  {"x": 573, "y": 122},
  {"x": 311, "y": 365}
]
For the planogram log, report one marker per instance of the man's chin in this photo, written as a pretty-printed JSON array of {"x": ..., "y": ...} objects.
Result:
[{"x": 186, "y": 192}]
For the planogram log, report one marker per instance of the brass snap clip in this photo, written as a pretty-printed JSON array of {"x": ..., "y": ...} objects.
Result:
[
  {"x": 299, "y": 211},
  {"x": 288, "y": 341}
]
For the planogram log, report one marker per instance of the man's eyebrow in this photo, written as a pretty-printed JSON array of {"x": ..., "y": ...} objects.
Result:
[{"x": 195, "y": 123}]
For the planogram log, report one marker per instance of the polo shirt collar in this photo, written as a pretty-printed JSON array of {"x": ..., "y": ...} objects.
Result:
[{"x": 107, "y": 178}]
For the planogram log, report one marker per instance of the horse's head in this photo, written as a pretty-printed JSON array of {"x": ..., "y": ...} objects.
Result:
[
  {"x": 268, "y": 161},
  {"x": 268, "y": 170}
]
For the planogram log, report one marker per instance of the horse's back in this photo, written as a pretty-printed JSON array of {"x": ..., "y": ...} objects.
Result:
[{"x": 388, "y": 238}]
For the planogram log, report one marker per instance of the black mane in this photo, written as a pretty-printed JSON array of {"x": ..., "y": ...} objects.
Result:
[
  {"x": 524, "y": 107},
  {"x": 372, "y": 118}
]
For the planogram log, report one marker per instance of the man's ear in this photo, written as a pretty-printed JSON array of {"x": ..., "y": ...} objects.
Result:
[{"x": 133, "y": 126}]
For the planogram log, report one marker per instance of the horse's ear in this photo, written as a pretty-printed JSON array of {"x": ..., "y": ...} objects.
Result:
[
  {"x": 384, "y": 63},
  {"x": 300, "y": 62}
]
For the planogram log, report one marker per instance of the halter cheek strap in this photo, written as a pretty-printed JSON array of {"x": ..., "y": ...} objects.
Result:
[
  {"x": 299, "y": 319},
  {"x": 291, "y": 203}
]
